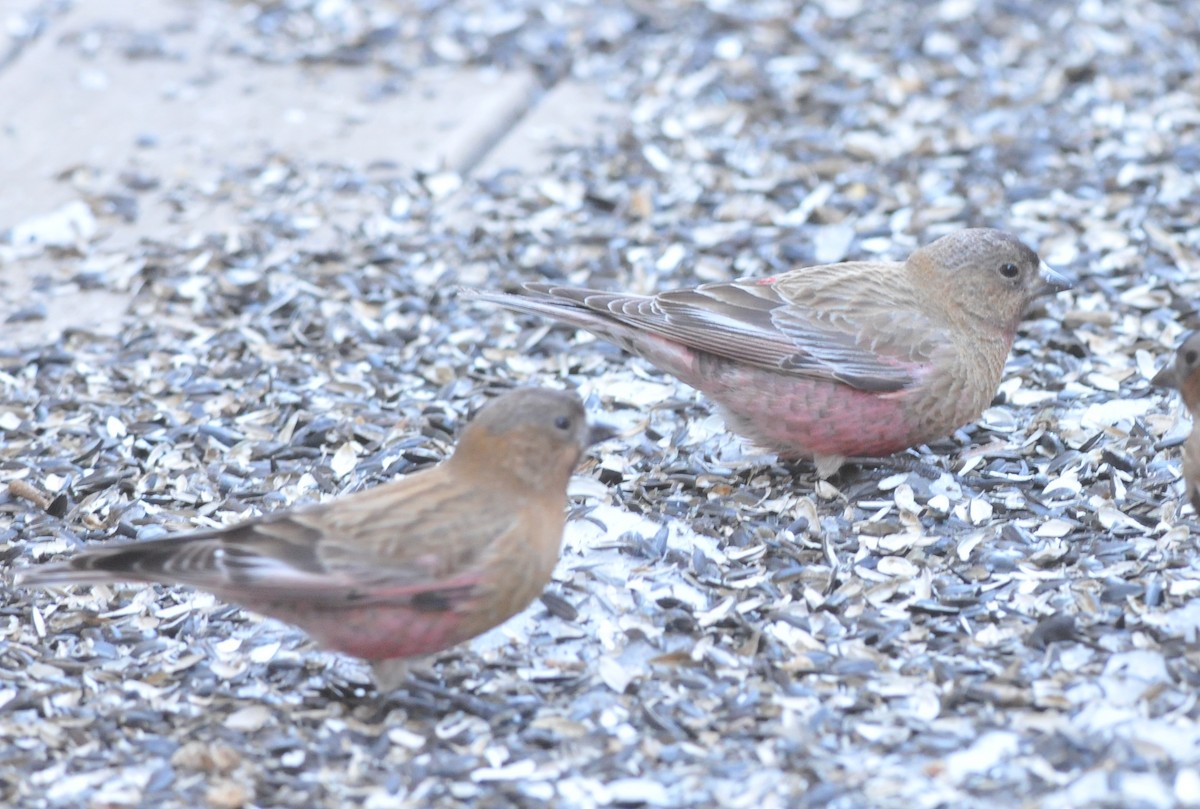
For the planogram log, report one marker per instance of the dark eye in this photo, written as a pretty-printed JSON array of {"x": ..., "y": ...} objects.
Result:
[
  {"x": 1189, "y": 357},
  {"x": 562, "y": 423},
  {"x": 1009, "y": 270}
]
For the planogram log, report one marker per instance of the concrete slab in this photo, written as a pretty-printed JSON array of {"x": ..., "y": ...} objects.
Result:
[
  {"x": 571, "y": 112},
  {"x": 195, "y": 106},
  {"x": 88, "y": 97}
]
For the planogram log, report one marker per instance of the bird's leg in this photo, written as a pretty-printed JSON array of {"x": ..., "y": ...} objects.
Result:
[{"x": 391, "y": 674}]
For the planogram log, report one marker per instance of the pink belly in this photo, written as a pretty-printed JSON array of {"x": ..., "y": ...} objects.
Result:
[
  {"x": 376, "y": 633},
  {"x": 800, "y": 417}
]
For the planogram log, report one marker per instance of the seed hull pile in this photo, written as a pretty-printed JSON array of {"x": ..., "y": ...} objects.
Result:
[{"x": 1002, "y": 618}]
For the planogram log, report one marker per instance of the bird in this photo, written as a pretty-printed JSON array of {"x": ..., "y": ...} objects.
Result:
[
  {"x": 829, "y": 362},
  {"x": 399, "y": 572},
  {"x": 1184, "y": 376}
]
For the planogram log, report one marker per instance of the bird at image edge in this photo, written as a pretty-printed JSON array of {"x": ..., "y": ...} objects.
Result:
[{"x": 1184, "y": 376}]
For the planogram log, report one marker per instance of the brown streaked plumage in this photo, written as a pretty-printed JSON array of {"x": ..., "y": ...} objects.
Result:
[
  {"x": 400, "y": 571},
  {"x": 863, "y": 358},
  {"x": 1184, "y": 375}
]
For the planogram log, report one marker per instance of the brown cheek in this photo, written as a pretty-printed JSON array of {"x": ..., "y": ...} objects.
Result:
[
  {"x": 1190, "y": 389},
  {"x": 571, "y": 457}
]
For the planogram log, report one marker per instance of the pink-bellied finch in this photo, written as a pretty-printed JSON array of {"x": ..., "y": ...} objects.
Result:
[
  {"x": 403, "y": 570},
  {"x": 863, "y": 358}
]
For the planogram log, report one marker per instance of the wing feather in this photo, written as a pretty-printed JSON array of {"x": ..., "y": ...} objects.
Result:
[
  {"x": 391, "y": 544},
  {"x": 858, "y": 323}
]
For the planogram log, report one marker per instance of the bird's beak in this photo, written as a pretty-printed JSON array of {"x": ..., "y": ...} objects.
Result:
[
  {"x": 600, "y": 432},
  {"x": 1165, "y": 378},
  {"x": 1053, "y": 282}
]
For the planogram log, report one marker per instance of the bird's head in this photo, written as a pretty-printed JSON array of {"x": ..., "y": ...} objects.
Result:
[
  {"x": 532, "y": 435},
  {"x": 1184, "y": 373},
  {"x": 987, "y": 274}
]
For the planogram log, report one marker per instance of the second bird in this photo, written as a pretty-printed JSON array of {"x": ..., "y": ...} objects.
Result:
[
  {"x": 862, "y": 358},
  {"x": 403, "y": 570}
]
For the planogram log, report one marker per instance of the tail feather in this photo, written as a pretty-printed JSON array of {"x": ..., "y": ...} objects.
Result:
[
  {"x": 153, "y": 561},
  {"x": 59, "y": 574},
  {"x": 564, "y": 304},
  {"x": 601, "y": 313}
]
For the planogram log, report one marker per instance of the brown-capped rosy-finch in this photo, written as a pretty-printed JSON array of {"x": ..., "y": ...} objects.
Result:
[
  {"x": 1184, "y": 376},
  {"x": 399, "y": 571},
  {"x": 863, "y": 358}
]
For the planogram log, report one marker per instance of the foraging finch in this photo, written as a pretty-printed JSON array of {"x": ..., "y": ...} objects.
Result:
[
  {"x": 399, "y": 571},
  {"x": 863, "y": 358}
]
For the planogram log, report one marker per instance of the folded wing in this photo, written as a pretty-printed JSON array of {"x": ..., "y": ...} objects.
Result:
[
  {"x": 849, "y": 322},
  {"x": 389, "y": 545}
]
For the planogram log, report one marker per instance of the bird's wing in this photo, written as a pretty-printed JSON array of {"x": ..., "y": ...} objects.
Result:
[
  {"x": 411, "y": 541},
  {"x": 845, "y": 322}
]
